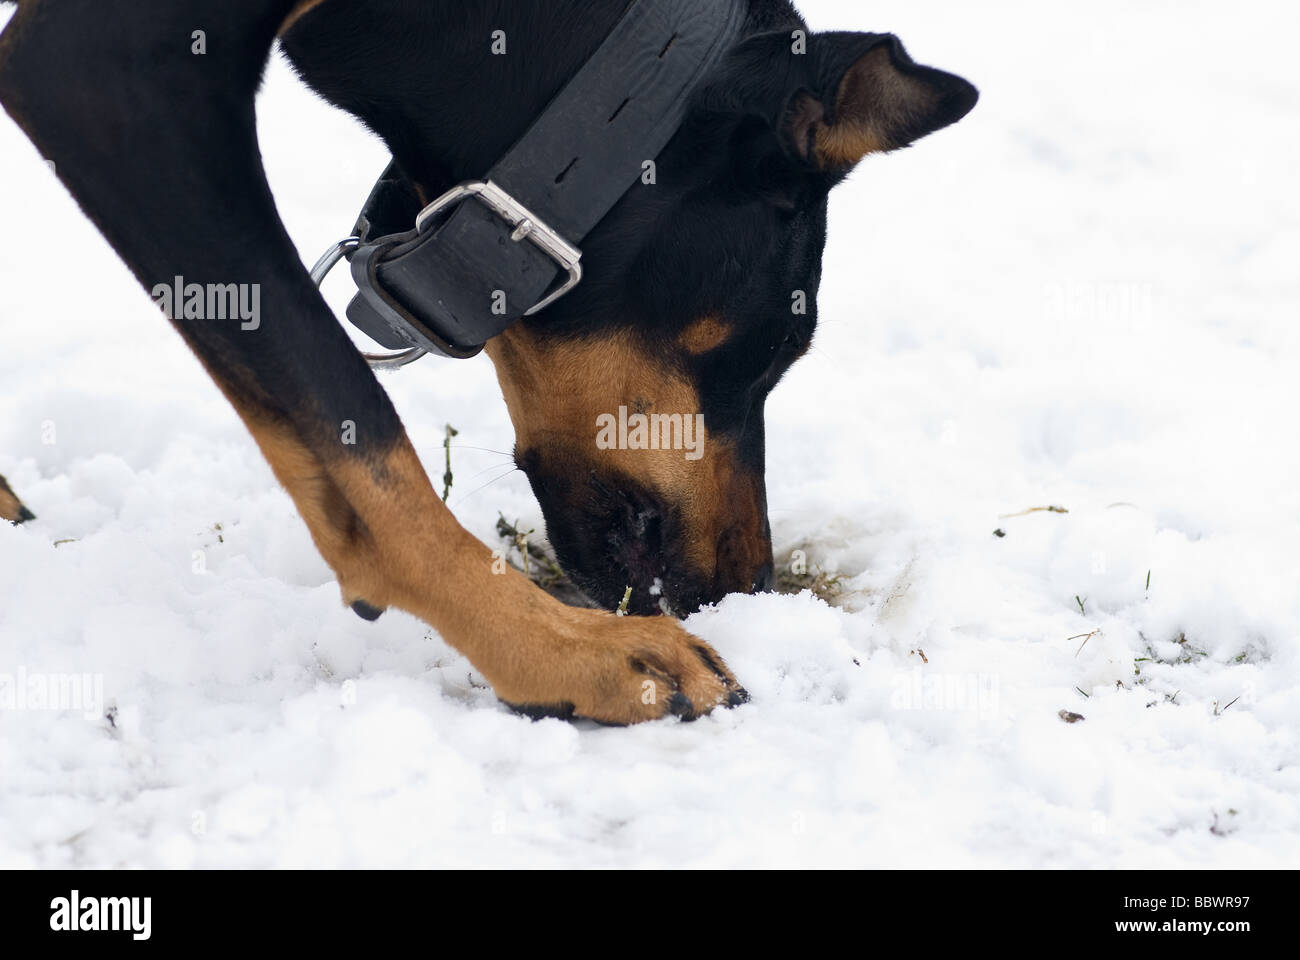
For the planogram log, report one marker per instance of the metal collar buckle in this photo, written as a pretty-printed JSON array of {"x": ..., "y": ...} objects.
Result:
[{"x": 526, "y": 225}]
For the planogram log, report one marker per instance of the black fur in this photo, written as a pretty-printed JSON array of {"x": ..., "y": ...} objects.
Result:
[{"x": 159, "y": 147}]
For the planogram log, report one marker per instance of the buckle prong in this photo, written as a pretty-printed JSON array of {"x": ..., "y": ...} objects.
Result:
[{"x": 527, "y": 226}]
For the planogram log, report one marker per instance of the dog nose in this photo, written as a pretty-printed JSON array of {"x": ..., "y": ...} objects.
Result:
[
  {"x": 765, "y": 578},
  {"x": 637, "y": 542}
]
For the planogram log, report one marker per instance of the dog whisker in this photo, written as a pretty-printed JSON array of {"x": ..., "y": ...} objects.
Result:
[
  {"x": 466, "y": 446},
  {"x": 462, "y": 500}
]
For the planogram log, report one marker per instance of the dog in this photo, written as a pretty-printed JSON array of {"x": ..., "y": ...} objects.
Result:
[{"x": 686, "y": 307}]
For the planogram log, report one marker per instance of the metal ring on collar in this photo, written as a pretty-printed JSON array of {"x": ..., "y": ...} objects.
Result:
[{"x": 378, "y": 361}]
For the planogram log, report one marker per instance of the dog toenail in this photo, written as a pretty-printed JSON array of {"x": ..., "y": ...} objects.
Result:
[{"x": 365, "y": 611}]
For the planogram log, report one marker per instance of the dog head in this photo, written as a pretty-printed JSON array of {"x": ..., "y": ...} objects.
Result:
[{"x": 638, "y": 400}]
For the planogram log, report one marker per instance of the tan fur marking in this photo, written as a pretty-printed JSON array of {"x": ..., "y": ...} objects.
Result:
[
  {"x": 555, "y": 390},
  {"x": 302, "y": 8},
  {"x": 844, "y": 144},
  {"x": 394, "y": 543},
  {"x": 873, "y": 101},
  {"x": 10, "y": 506},
  {"x": 703, "y": 335}
]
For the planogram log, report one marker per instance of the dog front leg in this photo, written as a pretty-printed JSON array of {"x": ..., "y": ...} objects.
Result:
[
  {"x": 11, "y": 508},
  {"x": 157, "y": 142}
]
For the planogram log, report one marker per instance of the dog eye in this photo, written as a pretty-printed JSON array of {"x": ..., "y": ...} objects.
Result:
[{"x": 783, "y": 352}]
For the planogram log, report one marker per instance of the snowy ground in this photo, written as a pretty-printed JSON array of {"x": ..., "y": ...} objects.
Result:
[{"x": 1084, "y": 295}]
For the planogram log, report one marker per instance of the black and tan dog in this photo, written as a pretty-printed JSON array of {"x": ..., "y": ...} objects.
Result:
[{"x": 686, "y": 307}]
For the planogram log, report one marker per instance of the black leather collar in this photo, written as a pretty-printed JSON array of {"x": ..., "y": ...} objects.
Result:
[{"x": 488, "y": 255}]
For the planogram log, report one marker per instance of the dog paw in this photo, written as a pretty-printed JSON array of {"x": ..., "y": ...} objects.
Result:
[
  {"x": 626, "y": 670},
  {"x": 11, "y": 508}
]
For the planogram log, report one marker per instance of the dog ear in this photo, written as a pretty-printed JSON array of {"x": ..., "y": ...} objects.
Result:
[{"x": 869, "y": 97}]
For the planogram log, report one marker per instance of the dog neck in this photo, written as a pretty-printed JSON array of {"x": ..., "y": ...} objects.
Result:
[{"x": 448, "y": 87}]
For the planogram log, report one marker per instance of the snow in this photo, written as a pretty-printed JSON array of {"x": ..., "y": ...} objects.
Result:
[{"x": 1084, "y": 295}]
